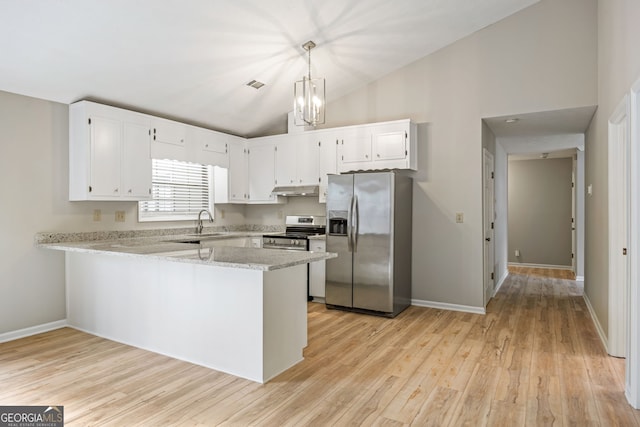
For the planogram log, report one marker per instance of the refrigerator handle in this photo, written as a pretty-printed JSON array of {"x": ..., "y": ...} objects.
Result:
[
  {"x": 356, "y": 223},
  {"x": 350, "y": 226}
]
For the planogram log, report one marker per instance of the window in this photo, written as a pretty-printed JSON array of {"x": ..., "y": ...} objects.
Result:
[{"x": 180, "y": 190}]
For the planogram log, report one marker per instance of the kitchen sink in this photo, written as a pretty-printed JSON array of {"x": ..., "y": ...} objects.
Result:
[{"x": 205, "y": 234}]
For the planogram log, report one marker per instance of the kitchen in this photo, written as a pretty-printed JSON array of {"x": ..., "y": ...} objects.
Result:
[{"x": 35, "y": 157}]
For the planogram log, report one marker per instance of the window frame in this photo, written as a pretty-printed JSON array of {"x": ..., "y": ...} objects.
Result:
[{"x": 147, "y": 216}]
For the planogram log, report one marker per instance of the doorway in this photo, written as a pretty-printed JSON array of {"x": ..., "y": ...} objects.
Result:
[
  {"x": 619, "y": 185},
  {"x": 488, "y": 191}
]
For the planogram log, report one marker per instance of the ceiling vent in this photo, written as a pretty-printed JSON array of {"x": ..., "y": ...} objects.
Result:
[{"x": 255, "y": 84}]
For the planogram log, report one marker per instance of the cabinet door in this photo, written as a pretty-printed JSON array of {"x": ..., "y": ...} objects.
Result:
[
  {"x": 389, "y": 146},
  {"x": 212, "y": 148},
  {"x": 106, "y": 143},
  {"x": 307, "y": 161},
  {"x": 136, "y": 161},
  {"x": 317, "y": 271},
  {"x": 261, "y": 173},
  {"x": 390, "y": 141},
  {"x": 328, "y": 162},
  {"x": 285, "y": 172},
  {"x": 237, "y": 173},
  {"x": 168, "y": 140},
  {"x": 355, "y": 147}
]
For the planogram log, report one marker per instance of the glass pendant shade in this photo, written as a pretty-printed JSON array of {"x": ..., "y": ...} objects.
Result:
[
  {"x": 309, "y": 97},
  {"x": 309, "y": 101}
]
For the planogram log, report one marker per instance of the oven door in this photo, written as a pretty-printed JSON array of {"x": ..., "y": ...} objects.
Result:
[{"x": 284, "y": 243}]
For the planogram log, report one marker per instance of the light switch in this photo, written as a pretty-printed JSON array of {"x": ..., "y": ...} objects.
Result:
[
  {"x": 97, "y": 215},
  {"x": 590, "y": 190},
  {"x": 459, "y": 217},
  {"x": 119, "y": 216}
]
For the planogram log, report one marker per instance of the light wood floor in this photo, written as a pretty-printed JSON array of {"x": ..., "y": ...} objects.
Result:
[{"x": 533, "y": 359}]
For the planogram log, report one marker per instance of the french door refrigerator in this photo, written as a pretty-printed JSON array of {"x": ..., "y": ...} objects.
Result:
[{"x": 369, "y": 227}]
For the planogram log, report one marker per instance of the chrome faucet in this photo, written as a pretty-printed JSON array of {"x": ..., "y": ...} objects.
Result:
[{"x": 199, "y": 225}]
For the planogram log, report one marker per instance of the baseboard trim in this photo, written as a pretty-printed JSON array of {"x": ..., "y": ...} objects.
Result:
[
  {"x": 447, "y": 306},
  {"x": 579, "y": 278},
  {"x": 554, "y": 267},
  {"x": 504, "y": 276},
  {"x": 596, "y": 322},
  {"x": 33, "y": 330}
]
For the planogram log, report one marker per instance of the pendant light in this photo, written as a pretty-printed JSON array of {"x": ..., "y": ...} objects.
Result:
[{"x": 309, "y": 96}]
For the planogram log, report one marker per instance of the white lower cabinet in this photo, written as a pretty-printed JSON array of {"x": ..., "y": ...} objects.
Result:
[{"x": 316, "y": 270}]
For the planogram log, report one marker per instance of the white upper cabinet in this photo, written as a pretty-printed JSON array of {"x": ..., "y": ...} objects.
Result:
[
  {"x": 297, "y": 160},
  {"x": 136, "y": 163},
  {"x": 108, "y": 153},
  {"x": 262, "y": 171},
  {"x": 212, "y": 148},
  {"x": 286, "y": 170},
  {"x": 328, "y": 164},
  {"x": 388, "y": 145},
  {"x": 169, "y": 140},
  {"x": 355, "y": 146},
  {"x": 307, "y": 160},
  {"x": 231, "y": 183}
]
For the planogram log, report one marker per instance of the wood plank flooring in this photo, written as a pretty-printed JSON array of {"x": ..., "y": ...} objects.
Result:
[{"x": 533, "y": 359}]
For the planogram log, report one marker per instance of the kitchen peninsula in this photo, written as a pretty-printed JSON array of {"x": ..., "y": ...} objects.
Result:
[{"x": 239, "y": 310}]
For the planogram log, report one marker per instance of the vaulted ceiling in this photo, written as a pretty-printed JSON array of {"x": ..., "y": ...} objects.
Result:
[{"x": 190, "y": 60}]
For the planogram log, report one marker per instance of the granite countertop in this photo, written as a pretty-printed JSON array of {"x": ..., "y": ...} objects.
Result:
[{"x": 209, "y": 250}]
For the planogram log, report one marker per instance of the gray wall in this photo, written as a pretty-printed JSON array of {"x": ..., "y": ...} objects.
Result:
[
  {"x": 34, "y": 139},
  {"x": 540, "y": 211},
  {"x": 510, "y": 67},
  {"x": 618, "y": 69}
]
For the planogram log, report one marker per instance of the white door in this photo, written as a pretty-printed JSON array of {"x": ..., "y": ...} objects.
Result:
[
  {"x": 488, "y": 220},
  {"x": 618, "y": 229}
]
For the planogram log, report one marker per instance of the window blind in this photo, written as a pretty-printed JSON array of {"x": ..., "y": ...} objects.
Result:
[{"x": 179, "y": 191}]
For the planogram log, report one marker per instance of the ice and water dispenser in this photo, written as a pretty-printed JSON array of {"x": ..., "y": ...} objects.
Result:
[{"x": 338, "y": 223}]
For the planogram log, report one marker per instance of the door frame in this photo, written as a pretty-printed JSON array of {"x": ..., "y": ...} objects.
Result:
[
  {"x": 619, "y": 238},
  {"x": 488, "y": 224},
  {"x": 632, "y": 368}
]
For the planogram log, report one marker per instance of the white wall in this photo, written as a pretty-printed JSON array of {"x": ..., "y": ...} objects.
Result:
[{"x": 542, "y": 58}]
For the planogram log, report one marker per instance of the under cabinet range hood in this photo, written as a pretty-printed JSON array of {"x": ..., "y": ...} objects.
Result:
[{"x": 300, "y": 190}]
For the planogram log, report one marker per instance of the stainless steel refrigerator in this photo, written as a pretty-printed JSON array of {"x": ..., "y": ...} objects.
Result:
[{"x": 369, "y": 227}]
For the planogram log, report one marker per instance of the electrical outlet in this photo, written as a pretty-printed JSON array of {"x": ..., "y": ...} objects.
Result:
[
  {"x": 97, "y": 215},
  {"x": 459, "y": 217},
  {"x": 280, "y": 214},
  {"x": 517, "y": 252},
  {"x": 119, "y": 216},
  {"x": 221, "y": 213}
]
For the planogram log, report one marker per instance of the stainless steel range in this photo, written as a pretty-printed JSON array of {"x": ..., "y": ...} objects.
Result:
[
  {"x": 296, "y": 236},
  {"x": 297, "y": 232}
]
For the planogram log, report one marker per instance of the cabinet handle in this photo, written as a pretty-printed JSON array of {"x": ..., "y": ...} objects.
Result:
[
  {"x": 115, "y": 191},
  {"x": 366, "y": 156},
  {"x": 129, "y": 191},
  {"x": 378, "y": 155}
]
